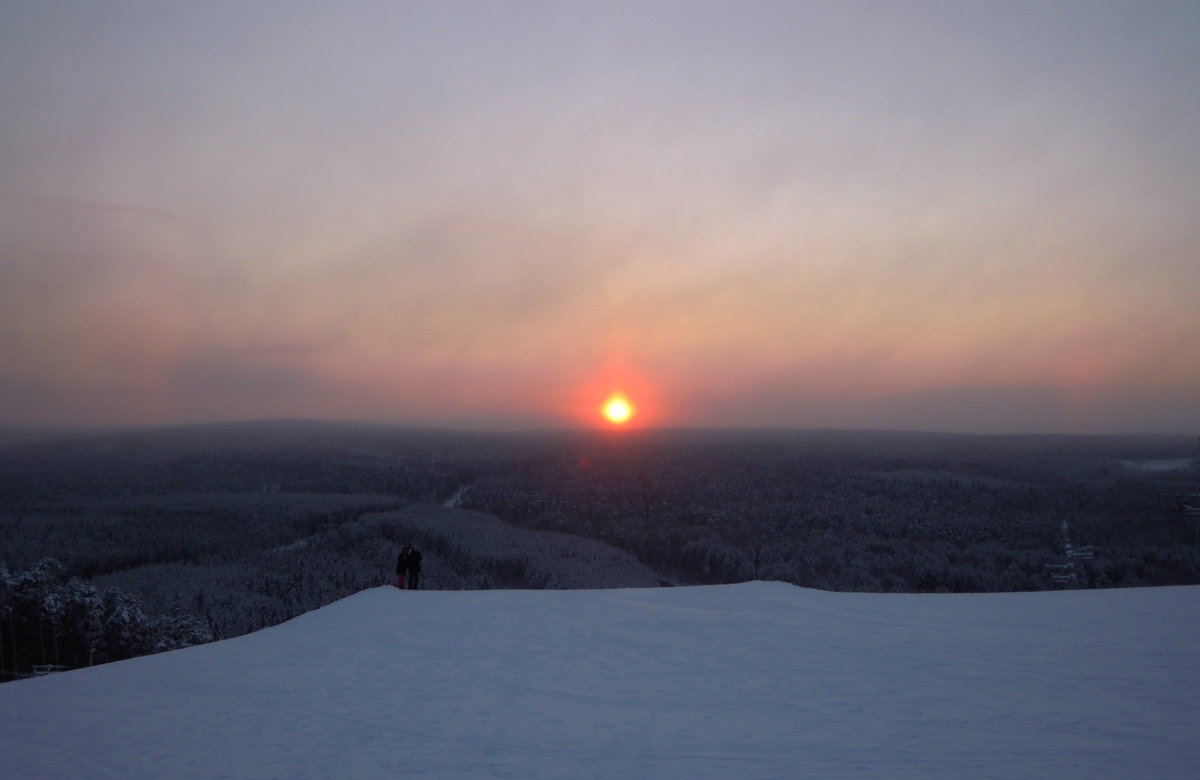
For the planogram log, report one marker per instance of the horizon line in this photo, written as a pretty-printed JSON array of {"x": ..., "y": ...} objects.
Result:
[{"x": 102, "y": 429}]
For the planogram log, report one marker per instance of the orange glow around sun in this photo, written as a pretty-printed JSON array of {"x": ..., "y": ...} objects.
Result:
[
  {"x": 614, "y": 397},
  {"x": 617, "y": 409}
]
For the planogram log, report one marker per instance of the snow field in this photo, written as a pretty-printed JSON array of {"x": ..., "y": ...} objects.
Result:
[{"x": 752, "y": 680}]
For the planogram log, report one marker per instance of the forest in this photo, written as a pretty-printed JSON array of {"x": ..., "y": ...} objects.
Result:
[{"x": 120, "y": 543}]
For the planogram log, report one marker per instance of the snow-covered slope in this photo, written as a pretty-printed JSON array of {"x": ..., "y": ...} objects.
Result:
[{"x": 754, "y": 680}]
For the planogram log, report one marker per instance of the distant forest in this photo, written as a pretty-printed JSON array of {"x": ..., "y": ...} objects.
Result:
[{"x": 123, "y": 543}]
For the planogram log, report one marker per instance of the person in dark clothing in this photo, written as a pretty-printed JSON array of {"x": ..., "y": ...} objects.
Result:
[
  {"x": 401, "y": 567},
  {"x": 414, "y": 568}
]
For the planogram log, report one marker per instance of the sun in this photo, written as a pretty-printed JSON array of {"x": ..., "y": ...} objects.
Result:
[{"x": 617, "y": 409}]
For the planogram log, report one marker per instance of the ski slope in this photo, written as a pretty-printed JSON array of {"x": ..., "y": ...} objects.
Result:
[{"x": 753, "y": 680}]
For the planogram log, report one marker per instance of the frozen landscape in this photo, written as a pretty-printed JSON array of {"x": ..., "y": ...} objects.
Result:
[{"x": 752, "y": 680}]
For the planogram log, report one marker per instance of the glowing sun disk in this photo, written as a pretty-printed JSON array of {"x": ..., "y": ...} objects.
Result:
[{"x": 617, "y": 409}]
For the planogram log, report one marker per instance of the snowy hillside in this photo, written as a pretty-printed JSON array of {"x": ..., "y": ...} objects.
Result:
[{"x": 753, "y": 680}]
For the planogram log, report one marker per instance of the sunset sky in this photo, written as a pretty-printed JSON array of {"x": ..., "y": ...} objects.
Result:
[{"x": 958, "y": 216}]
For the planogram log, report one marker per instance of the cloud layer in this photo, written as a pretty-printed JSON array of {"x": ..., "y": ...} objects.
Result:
[{"x": 470, "y": 213}]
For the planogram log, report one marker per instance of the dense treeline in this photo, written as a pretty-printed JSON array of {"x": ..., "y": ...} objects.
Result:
[
  {"x": 51, "y": 621},
  {"x": 241, "y": 527},
  {"x": 855, "y": 518},
  {"x": 97, "y": 537}
]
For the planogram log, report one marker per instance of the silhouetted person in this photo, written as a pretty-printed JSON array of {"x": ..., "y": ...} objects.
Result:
[
  {"x": 412, "y": 560},
  {"x": 401, "y": 566}
]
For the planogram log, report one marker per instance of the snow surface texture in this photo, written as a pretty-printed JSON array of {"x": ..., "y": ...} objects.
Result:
[{"x": 752, "y": 680}]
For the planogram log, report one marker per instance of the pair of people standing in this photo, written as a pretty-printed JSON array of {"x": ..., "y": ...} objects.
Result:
[{"x": 408, "y": 568}]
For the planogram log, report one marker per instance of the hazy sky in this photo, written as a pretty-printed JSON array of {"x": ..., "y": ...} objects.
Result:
[{"x": 966, "y": 216}]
